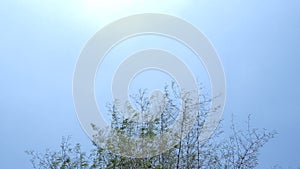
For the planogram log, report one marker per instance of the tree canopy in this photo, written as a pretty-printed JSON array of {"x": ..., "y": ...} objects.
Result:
[{"x": 239, "y": 150}]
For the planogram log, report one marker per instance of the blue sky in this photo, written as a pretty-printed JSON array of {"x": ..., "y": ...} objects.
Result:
[{"x": 257, "y": 41}]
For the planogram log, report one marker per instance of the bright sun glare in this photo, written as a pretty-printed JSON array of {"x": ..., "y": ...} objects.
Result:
[
  {"x": 101, "y": 12},
  {"x": 108, "y": 4},
  {"x": 108, "y": 10}
]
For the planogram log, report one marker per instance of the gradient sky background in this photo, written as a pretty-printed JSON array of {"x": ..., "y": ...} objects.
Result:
[{"x": 257, "y": 41}]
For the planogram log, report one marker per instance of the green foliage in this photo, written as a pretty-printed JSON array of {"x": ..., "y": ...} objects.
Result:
[
  {"x": 239, "y": 150},
  {"x": 66, "y": 158}
]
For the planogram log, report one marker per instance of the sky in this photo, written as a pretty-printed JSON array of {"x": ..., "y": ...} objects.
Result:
[{"x": 257, "y": 42}]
